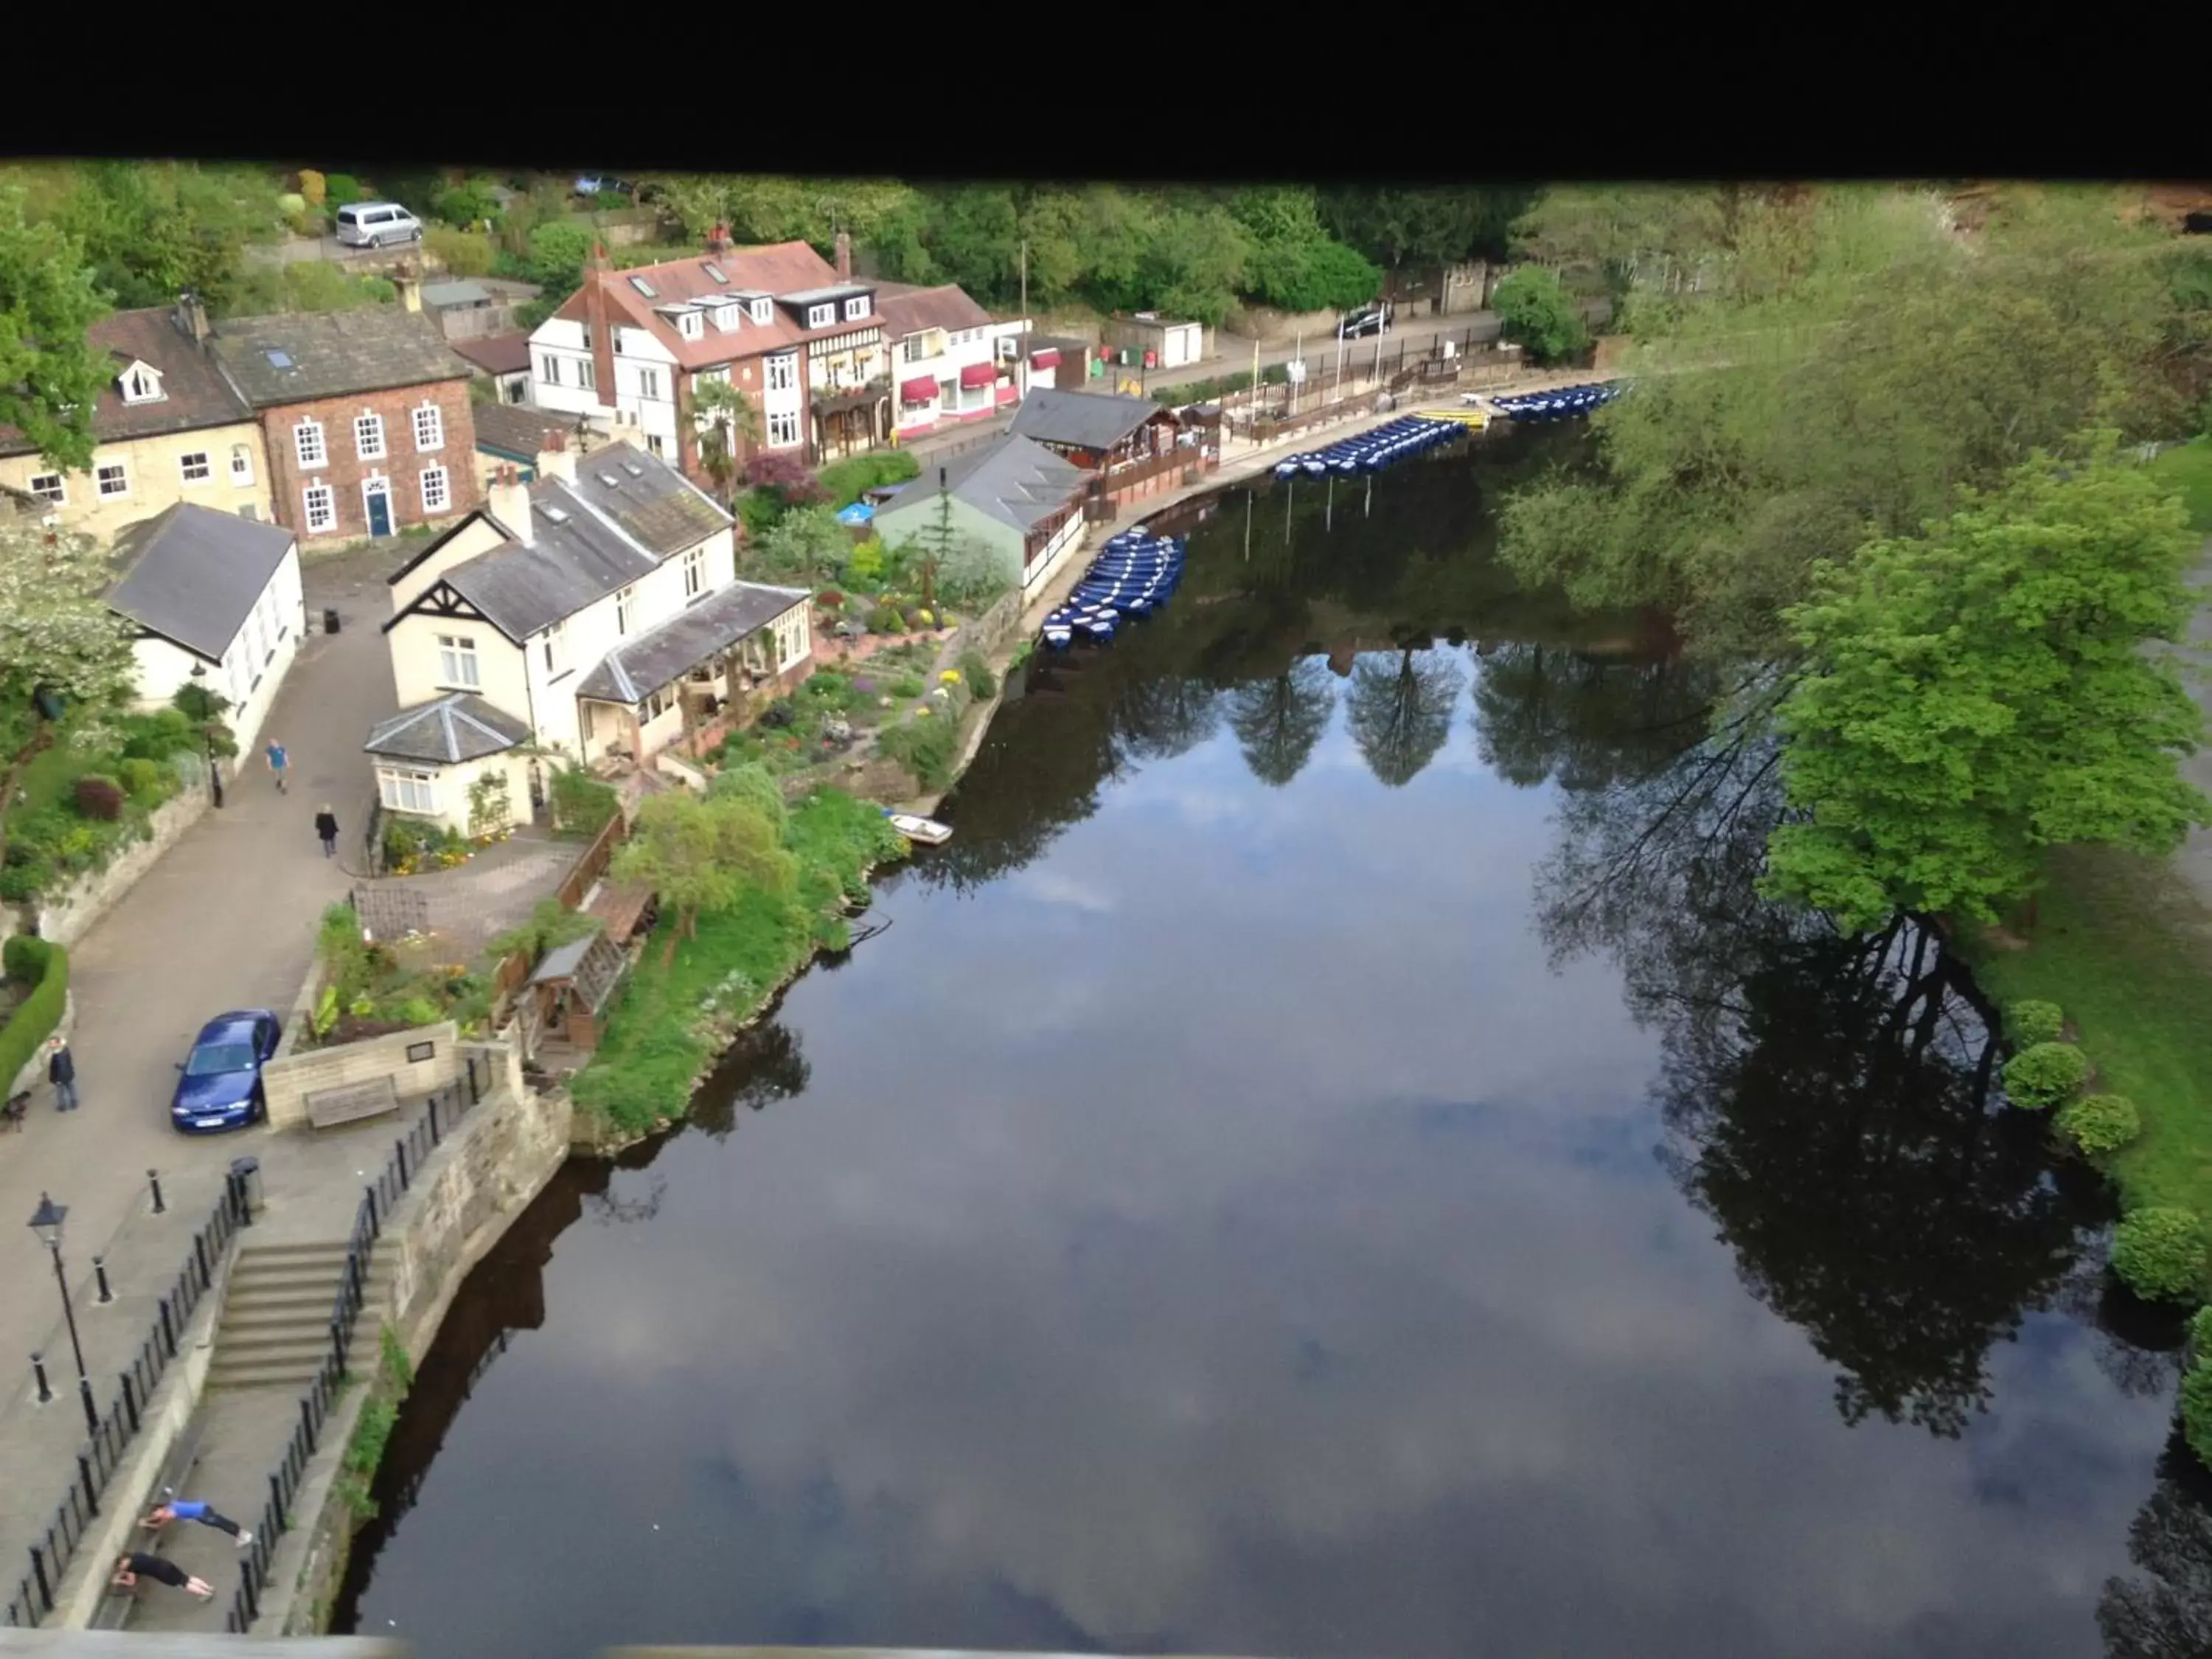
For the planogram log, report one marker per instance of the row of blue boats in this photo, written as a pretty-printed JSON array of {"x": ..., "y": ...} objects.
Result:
[
  {"x": 1370, "y": 451},
  {"x": 1133, "y": 576},
  {"x": 1563, "y": 404}
]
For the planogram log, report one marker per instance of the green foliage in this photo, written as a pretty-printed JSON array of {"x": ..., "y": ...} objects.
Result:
[
  {"x": 1293, "y": 263},
  {"x": 1535, "y": 310},
  {"x": 2158, "y": 1253},
  {"x": 39, "y": 1014},
  {"x": 2044, "y": 1075},
  {"x": 2030, "y": 1021},
  {"x": 752, "y": 783},
  {"x": 806, "y": 544},
  {"x": 2188, "y": 467},
  {"x": 50, "y": 374},
  {"x": 845, "y": 482},
  {"x": 557, "y": 256},
  {"x": 306, "y": 285},
  {"x": 150, "y": 230},
  {"x": 145, "y": 780},
  {"x": 343, "y": 189},
  {"x": 582, "y": 805},
  {"x": 925, "y": 745},
  {"x": 412, "y": 845},
  {"x": 867, "y": 564},
  {"x": 1435, "y": 225},
  {"x": 729, "y": 417},
  {"x": 551, "y": 924},
  {"x": 982, "y": 683},
  {"x": 2197, "y": 1407},
  {"x": 1982, "y": 691},
  {"x": 1848, "y": 365},
  {"x": 490, "y": 811},
  {"x": 908, "y": 686},
  {"x": 703, "y": 855},
  {"x": 468, "y": 203},
  {"x": 2098, "y": 1124},
  {"x": 659, "y": 1037},
  {"x": 462, "y": 252},
  {"x": 24, "y": 958},
  {"x": 885, "y": 619}
]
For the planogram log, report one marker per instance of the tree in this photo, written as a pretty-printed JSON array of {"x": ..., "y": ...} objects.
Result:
[
  {"x": 1294, "y": 263},
  {"x": 1400, "y": 719},
  {"x": 50, "y": 375},
  {"x": 152, "y": 229},
  {"x": 1535, "y": 310},
  {"x": 1981, "y": 692},
  {"x": 726, "y": 419},
  {"x": 703, "y": 855},
  {"x": 65, "y": 659},
  {"x": 1278, "y": 721},
  {"x": 1442, "y": 225},
  {"x": 807, "y": 541},
  {"x": 1195, "y": 267},
  {"x": 557, "y": 254}
]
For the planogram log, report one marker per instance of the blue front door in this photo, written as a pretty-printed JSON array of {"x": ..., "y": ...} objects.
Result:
[{"x": 379, "y": 513}]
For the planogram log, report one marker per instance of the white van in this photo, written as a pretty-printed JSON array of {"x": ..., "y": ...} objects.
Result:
[{"x": 372, "y": 224}]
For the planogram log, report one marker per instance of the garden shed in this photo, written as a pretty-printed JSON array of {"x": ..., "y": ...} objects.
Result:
[{"x": 565, "y": 996}]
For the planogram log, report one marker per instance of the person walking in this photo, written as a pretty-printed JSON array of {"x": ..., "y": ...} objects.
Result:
[
  {"x": 278, "y": 760},
  {"x": 129, "y": 1569},
  {"x": 61, "y": 1072},
  {"x": 327, "y": 826},
  {"x": 185, "y": 1508}
]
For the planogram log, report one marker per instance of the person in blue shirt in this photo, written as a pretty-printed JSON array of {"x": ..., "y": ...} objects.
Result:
[
  {"x": 184, "y": 1509},
  {"x": 278, "y": 760}
]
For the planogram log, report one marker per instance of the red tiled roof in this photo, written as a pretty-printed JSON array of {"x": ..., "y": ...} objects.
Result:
[
  {"x": 784, "y": 268},
  {"x": 912, "y": 310},
  {"x": 497, "y": 354}
]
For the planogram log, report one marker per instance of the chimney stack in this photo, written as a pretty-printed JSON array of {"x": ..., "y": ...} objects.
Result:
[
  {"x": 556, "y": 460},
  {"x": 192, "y": 318},
  {"x": 844, "y": 256},
  {"x": 718, "y": 240},
  {"x": 509, "y": 501},
  {"x": 599, "y": 327},
  {"x": 410, "y": 290}
]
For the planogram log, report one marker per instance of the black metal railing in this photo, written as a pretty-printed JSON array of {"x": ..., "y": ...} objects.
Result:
[
  {"x": 378, "y": 1200},
  {"x": 104, "y": 1450}
]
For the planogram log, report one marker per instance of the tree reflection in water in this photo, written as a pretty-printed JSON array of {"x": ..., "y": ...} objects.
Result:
[
  {"x": 1279, "y": 720},
  {"x": 1828, "y": 1100},
  {"x": 764, "y": 1065},
  {"x": 1401, "y": 713},
  {"x": 2167, "y": 1612}
]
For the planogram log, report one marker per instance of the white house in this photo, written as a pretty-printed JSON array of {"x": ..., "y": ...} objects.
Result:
[
  {"x": 1011, "y": 495},
  {"x": 578, "y": 615},
  {"x": 215, "y": 597},
  {"x": 950, "y": 360}
]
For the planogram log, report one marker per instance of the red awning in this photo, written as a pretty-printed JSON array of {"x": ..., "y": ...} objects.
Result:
[
  {"x": 922, "y": 391},
  {"x": 1009, "y": 394},
  {"x": 980, "y": 374},
  {"x": 1048, "y": 358}
]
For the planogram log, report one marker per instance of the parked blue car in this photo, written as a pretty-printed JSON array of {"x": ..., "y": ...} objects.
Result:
[{"x": 220, "y": 1087}]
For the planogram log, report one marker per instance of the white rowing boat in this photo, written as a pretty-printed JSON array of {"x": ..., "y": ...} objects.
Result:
[{"x": 928, "y": 831}]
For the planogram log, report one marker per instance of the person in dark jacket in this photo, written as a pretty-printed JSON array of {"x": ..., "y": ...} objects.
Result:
[
  {"x": 129, "y": 1569},
  {"x": 61, "y": 1072},
  {"x": 327, "y": 826}
]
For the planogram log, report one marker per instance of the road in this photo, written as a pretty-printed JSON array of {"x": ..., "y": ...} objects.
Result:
[{"x": 291, "y": 250}]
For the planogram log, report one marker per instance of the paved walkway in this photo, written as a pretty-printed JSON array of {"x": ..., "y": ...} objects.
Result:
[{"x": 226, "y": 918}]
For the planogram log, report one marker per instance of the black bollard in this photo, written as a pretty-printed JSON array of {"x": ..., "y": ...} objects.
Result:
[
  {"x": 100, "y": 1277},
  {"x": 154, "y": 1179},
  {"x": 39, "y": 1370}
]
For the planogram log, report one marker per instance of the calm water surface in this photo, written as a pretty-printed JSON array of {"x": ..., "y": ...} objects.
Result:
[{"x": 1332, "y": 1160}]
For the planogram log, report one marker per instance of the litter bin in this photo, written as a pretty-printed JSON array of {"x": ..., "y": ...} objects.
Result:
[
  {"x": 246, "y": 1172},
  {"x": 330, "y": 620}
]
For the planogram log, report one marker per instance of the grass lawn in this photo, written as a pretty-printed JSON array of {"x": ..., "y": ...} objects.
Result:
[
  {"x": 657, "y": 1042},
  {"x": 2124, "y": 946},
  {"x": 2190, "y": 466}
]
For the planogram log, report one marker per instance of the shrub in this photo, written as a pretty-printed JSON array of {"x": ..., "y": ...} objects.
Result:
[
  {"x": 35, "y": 1018},
  {"x": 340, "y": 188},
  {"x": 2030, "y": 1022},
  {"x": 2100, "y": 1123},
  {"x": 462, "y": 252},
  {"x": 99, "y": 797},
  {"x": 830, "y": 598},
  {"x": 884, "y": 620},
  {"x": 2046, "y": 1075},
  {"x": 847, "y": 481},
  {"x": 924, "y": 747},
  {"x": 758, "y": 511},
  {"x": 907, "y": 686},
  {"x": 867, "y": 564},
  {"x": 24, "y": 958},
  {"x": 582, "y": 805},
  {"x": 141, "y": 778},
  {"x": 313, "y": 187},
  {"x": 980, "y": 680},
  {"x": 2158, "y": 1253}
]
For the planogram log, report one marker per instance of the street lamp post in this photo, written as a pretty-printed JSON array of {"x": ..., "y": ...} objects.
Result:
[
  {"x": 46, "y": 1223},
  {"x": 215, "y": 776}
]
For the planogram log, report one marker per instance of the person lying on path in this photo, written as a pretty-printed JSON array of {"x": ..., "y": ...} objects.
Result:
[
  {"x": 185, "y": 1508},
  {"x": 128, "y": 1569}
]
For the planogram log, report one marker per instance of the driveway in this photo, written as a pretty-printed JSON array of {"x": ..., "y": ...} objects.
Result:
[{"x": 225, "y": 919}]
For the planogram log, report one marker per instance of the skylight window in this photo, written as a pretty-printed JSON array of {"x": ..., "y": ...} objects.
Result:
[
  {"x": 713, "y": 270},
  {"x": 279, "y": 359},
  {"x": 609, "y": 480},
  {"x": 643, "y": 286},
  {"x": 558, "y": 514},
  {"x": 633, "y": 469}
]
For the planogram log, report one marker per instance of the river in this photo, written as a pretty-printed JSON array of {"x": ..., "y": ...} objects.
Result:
[{"x": 1332, "y": 1159}]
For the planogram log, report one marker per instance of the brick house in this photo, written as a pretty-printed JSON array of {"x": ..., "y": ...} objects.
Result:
[{"x": 365, "y": 415}]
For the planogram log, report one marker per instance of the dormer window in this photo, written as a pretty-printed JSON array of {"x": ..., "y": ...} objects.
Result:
[
  {"x": 820, "y": 316},
  {"x": 689, "y": 324},
  {"x": 763, "y": 310},
  {"x": 725, "y": 317},
  {"x": 856, "y": 308},
  {"x": 141, "y": 385}
]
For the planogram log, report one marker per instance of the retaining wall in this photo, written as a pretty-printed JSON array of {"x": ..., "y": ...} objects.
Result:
[
  {"x": 290, "y": 1077},
  {"x": 69, "y": 915}
]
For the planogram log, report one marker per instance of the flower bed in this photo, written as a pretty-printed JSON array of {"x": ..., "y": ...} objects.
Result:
[{"x": 81, "y": 805}]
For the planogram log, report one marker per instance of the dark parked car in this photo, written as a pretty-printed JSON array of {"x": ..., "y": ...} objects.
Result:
[
  {"x": 1368, "y": 320},
  {"x": 220, "y": 1087}
]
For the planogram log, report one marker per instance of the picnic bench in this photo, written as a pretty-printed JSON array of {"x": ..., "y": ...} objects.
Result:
[
  {"x": 349, "y": 1103},
  {"x": 113, "y": 1612}
]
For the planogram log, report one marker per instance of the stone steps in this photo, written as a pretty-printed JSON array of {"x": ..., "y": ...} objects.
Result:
[{"x": 275, "y": 1323}]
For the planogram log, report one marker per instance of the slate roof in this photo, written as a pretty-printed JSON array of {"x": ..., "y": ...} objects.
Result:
[
  {"x": 334, "y": 354},
  {"x": 195, "y": 393},
  {"x": 461, "y": 293},
  {"x": 1015, "y": 481},
  {"x": 458, "y": 726},
  {"x": 637, "y": 668},
  {"x": 1081, "y": 420},
  {"x": 912, "y": 310},
  {"x": 193, "y": 576},
  {"x": 518, "y": 430},
  {"x": 612, "y": 534},
  {"x": 780, "y": 271},
  {"x": 563, "y": 960},
  {"x": 497, "y": 354}
]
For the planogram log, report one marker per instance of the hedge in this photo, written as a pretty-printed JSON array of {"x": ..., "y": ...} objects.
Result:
[
  {"x": 2049, "y": 1074},
  {"x": 2031, "y": 1021},
  {"x": 35, "y": 1021}
]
